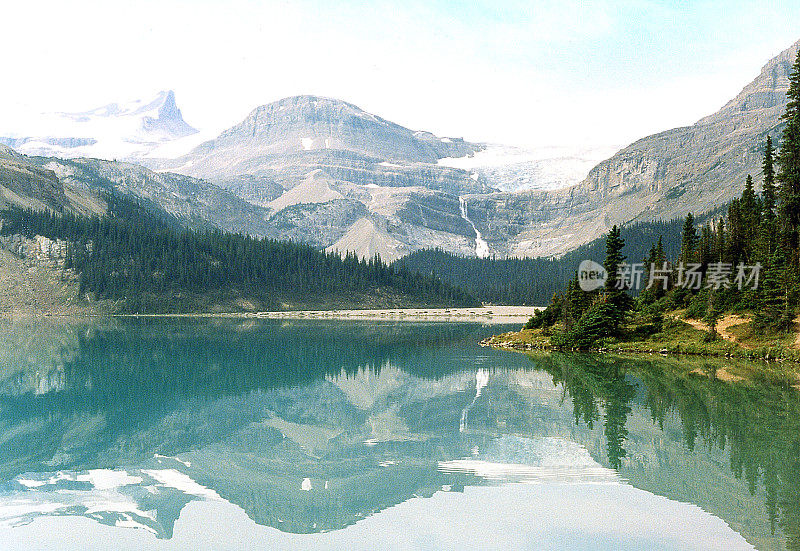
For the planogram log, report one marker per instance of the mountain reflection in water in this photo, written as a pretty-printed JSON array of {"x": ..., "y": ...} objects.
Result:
[{"x": 311, "y": 427}]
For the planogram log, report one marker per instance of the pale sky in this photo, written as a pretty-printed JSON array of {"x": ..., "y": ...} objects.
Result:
[{"x": 563, "y": 72}]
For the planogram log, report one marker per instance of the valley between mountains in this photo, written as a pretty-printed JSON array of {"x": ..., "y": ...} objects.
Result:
[{"x": 325, "y": 173}]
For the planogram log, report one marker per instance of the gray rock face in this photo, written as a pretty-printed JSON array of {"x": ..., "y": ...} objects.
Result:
[
  {"x": 324, "y": 171},
  {"x": 341, "y": 178},
  {"x": 26, "y": 185},
  {"x": 320, "y": 224},
  {"x": 197, "y": 203},
  {"x": 158, "y": 119},
  {"x": 412, "y": 203},
  {"x": 664, "y": 176},
  {"x": 313, "y": 124},
  {"x": 169, "y": 120},
  {"x": 325, "y": 212}
]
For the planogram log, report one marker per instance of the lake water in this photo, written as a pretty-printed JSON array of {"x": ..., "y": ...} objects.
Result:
[{"x": 208, "y": 434}]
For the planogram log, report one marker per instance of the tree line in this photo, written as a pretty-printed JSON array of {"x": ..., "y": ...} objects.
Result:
[
  {"x": 130, "y": 253},
  {"x": 532, "y": 281}
]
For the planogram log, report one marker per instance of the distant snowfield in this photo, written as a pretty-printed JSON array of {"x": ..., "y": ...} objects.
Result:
[
  {"x": 511, "y": 168},
  {"x": 135, "y": 129},
  {"x": 175, "y": 148}
]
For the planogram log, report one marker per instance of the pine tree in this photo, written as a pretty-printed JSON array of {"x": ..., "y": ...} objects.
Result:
[
  {"x": 655, "y": 259},
  {"x": 774, "y": 310},
  {"x": 789, "y": 164},
  {"x": 767, "y": 227},
  {"x": 720, "y": 241},
  {"x": 688, "y": 240},
  {"x": 647, "y": 296},
  {"x": 618, "y": 301},
  {"x": 750, "y": 208},
  {"x": 570, "y": 311},
  {"x": 733, "y": 248},
  {"x": 768, "y": 194},
  {"x": 660, "y": 260},
  {"x": 711, "y": 317}
]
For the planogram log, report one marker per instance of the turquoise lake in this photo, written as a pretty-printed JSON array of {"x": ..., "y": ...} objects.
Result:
[{"x": 243, "y": 434}]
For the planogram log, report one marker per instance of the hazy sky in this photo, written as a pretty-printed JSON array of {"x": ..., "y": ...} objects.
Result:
[{"x": 564, "y": 72}]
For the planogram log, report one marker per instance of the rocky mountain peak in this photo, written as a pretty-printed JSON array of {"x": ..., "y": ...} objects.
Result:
[
  {"x": 765, "y": 92},
  {"x": 115, "y": 130},
  {"x": 6, "y": 153},
  {"x": 696, "y": 169},
  {"x": 314, "y": 107},
  {"x": 163, "y": 116},
  {"x": 312, "y": 123}
]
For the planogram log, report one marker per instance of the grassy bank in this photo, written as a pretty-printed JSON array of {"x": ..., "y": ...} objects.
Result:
[{"x": 736, "y": 339}]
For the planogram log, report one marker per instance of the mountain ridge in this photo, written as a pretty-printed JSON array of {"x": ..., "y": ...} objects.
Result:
[
  {"x": 309, "y": 123},
  {"x": 658, "y": 177},
  {"x": 324, "y": 171}
]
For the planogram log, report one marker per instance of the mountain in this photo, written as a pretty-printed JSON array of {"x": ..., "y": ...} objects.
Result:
[
  {"x": 25, "y": 184},
  {"x": 409, "y": 184},
  {"x": 113, "y": 131},
  {"x": 78, "y": 186},
  {"x": 695, "y": 168},
  {"x": 306, "y": 129},
  {"x": 325, "y": 172},
  {"x": 329, "y": 214},
  {"x": 194, "y": 202},
  {"x": 341, "y": 178}
]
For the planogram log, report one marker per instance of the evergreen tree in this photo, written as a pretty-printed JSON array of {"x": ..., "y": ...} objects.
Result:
[
  {"x": 766, "y": 242},
  {"x": 133, "y": 256},
  {"x": 688, "y": 240},
  {"x": 749, "y": 201},
  {"x": 571, "y": 310},
  {"x": 595, "y": 324},
  {"x": 706, "y": 246},
  {"x": 711, "y": 318},
  {"x": 750, "y": 210},
  {"x": 734, "y": 247},
  {"x": 775, "y": 311},
  {"x": 656, "y": 259},
  {"x": 768, "y": 194},
  {"x": 720, "y": 242},
  {"x": 618, "y": 300},
  {"x": 789, "y": 163}
]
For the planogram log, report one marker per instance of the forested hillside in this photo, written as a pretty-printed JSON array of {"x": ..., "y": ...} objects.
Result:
[
  {"x": 534, "y": 281},
  {"x": 151, "y": 265}
]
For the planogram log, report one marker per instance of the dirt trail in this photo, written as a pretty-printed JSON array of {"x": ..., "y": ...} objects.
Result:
[{"x": 723, "y": 325}]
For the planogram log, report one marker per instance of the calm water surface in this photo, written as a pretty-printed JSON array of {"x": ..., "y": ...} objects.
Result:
[{"x": 345, "y": 435}]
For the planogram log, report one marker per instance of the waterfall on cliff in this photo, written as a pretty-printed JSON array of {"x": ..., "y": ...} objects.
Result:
[{"x": 481, "y": 246}]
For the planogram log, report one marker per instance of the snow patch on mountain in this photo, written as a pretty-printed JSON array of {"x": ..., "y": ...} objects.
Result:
[
  {"x": 114, "y": 131},
  {"x": 511, "y": 168}
]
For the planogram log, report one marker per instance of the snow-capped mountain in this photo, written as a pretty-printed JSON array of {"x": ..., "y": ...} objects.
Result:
[
  {"x": 114, "y": 131},
  {"x": 325, "y": 172}
]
